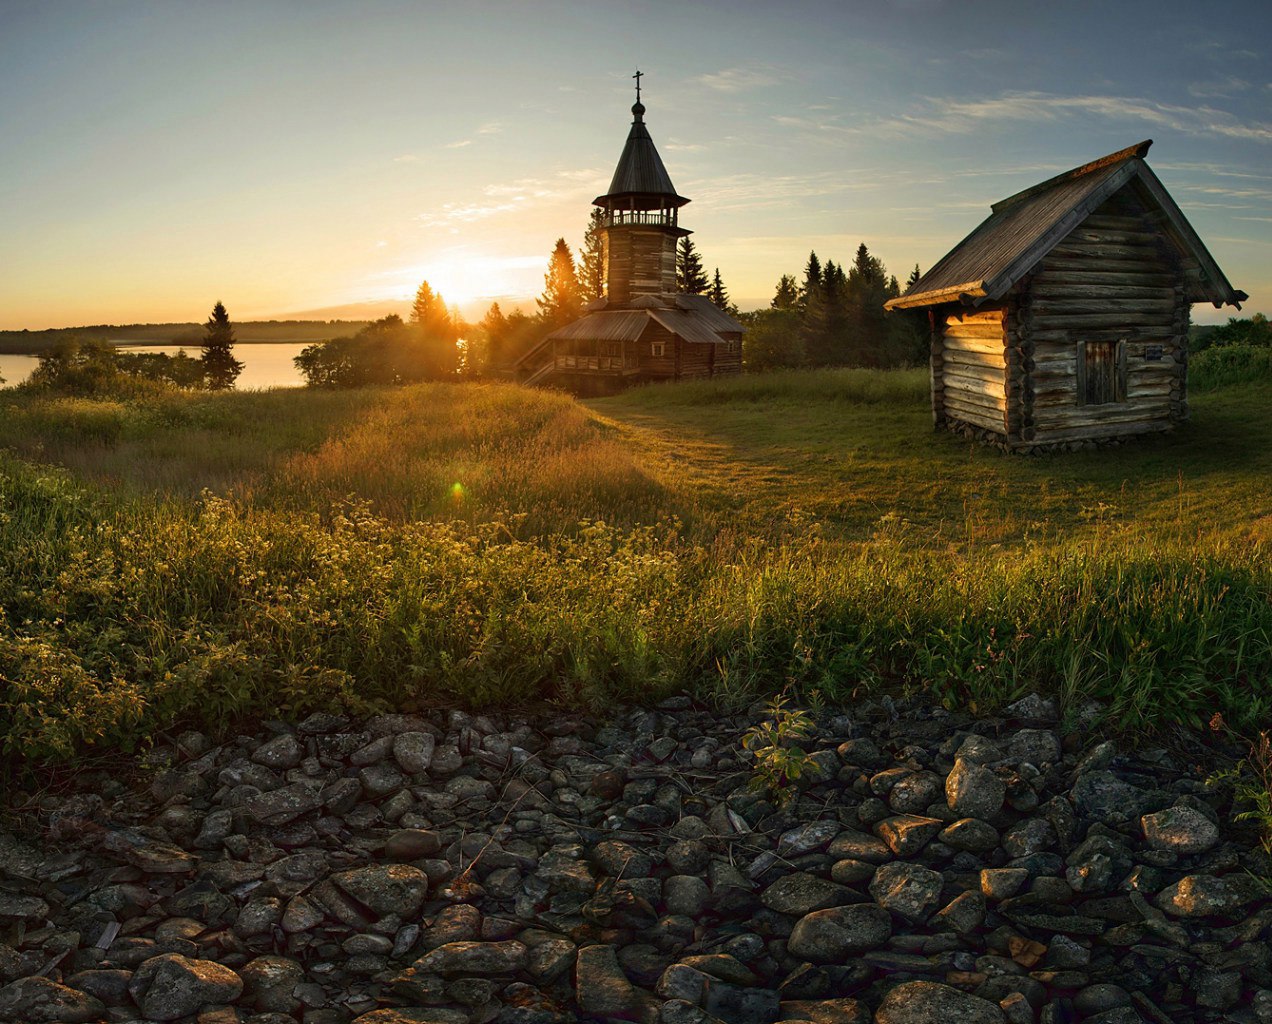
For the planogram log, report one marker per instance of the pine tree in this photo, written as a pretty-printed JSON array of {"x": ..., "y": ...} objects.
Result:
[
  {"x": 787, "y": 296},
  {"x": 220, "y": 368},
  {"x": 592, "y": 257},
  {"x": 690, "y": 278},
  {"x": 560, "y": 302},
  {"x": 719, "y": 295},
  {"x": 913, "y": 279},
  {"x": 492, "y": 331},
  {"x": 813, "y": 279},
  {"x": 867, "y": 292},
  {"x": 434, "y": 334}
]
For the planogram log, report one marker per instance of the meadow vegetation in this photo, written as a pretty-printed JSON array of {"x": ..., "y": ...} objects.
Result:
[{"x": 195, "y": 558}]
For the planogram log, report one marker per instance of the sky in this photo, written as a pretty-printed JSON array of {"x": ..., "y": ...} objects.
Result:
[{"x": 286, "y": 157}]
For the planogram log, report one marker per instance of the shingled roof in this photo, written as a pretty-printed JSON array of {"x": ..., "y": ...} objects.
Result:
[
  {"x": 640, "y": 173},
  {"x": 693, "y": 317},
  {"x": 1023, "y": 228}
]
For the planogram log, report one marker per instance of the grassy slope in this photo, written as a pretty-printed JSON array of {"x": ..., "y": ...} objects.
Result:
[
  {"x": 805, "y": 529},
  {"x": 793, "y": 449}
]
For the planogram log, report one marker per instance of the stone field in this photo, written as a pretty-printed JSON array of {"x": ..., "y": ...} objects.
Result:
[{"x": 463, "y": 869}]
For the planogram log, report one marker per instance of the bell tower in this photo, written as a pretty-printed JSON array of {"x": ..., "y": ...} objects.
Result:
[{"x": 641, "y": 213}]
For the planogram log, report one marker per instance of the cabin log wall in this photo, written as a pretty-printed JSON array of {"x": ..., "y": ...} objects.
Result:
[
  {"x": 969, "y": 365},
  {"x": 1110, "y": 280}
]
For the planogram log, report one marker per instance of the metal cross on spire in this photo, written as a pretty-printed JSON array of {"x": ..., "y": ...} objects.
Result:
[{"x": 639, "y": 74}]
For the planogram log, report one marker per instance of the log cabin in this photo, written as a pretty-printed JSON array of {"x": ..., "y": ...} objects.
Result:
[
  {"x": 1062, "y": 320},
  {"x": 641, "y": 330}
]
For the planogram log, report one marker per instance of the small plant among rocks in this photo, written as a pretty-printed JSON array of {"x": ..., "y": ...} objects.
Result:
[
  {"x": 1251, "y": 780},
  {"x": 780, "y": 761}
]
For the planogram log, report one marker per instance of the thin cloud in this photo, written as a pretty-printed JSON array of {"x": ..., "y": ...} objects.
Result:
[
  {"x": 967, "y": 116},
  {"x": 741, "y": 79},
  {"x": 458, "y": 145},
  {"x": 507, "y": 197},
  {"x": 1228, "y": 85}
]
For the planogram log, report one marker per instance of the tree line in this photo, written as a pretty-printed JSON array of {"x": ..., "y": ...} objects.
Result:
[
  {"x": 92, "y": 366},
  {"x": 835, "y": 317},
  {"x": 437, "y": 344}
]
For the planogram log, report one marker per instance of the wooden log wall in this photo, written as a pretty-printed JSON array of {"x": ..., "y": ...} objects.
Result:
[
  {"x": 639, "y": 261},
  {"x": 657, "y": 367},
  {"x": 968, "y": 371},
  {"x": 1112, "y": 279},
  {"x": 936, "y": 363}
]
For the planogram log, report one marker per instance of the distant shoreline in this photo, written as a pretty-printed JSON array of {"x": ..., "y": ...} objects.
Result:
[{"x": 188, "y": 335}]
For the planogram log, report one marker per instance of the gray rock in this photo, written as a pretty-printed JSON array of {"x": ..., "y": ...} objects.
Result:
[
  {"x": 915, "y": 793},
  {"x": 1105, "y": 797},
  {"x": 1025, "y": 838},
  {"x": 970, "y": 834},
  {"x": 801, "y": 893},
  {"x": 1199, "y": 896},
  {"x": 413, "y": 751},
  {"x": 1034, "y": 746},
  {"x": 907, "y": 834},
  {"x": 860, "y": 846},
  {"x": 171, "y": 986},
  {"x": 280, "y": 806},
  {"x": 827, "y": 936},
  {"x": 22, "y": 908},
  {"x": 685, "y": 894},
  {"x": 688, "y": 857},
  {"x": 1180, "y": 830},
  {"x": 281, "y": 752},
  {"x": 806, "y": 838},
  {"x": 1100, "y": 997},
  {"x": 927, "y": 1002},
  {"x": 412, "y": 844},
  {"x": 386, "y": 888},
  {"x": 269, "y": 983},
  {"x": 1034, "y": 708},
  {"x": 601, "y": 986},
  {"x": 973, "y": 791},
  {"x": 37, "y": 1000},
  {"x": 480, "y": 958},
  {"x": 1002, "y": 883},
  {"x": 964, "y": 914},
  {"x": 909, "y": 890}
]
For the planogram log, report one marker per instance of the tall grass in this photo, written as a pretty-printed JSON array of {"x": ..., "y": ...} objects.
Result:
[
  {"x": 1229, "y": 364},
  {"x": 847, "y": 386},
  {"x": 334, "y": 564}
]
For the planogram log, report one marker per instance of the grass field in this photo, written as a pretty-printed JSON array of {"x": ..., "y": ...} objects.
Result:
[{"x": 198, "y": 558}]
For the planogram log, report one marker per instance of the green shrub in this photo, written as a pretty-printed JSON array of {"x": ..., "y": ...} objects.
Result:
[{"x": 1224, "y": 366}]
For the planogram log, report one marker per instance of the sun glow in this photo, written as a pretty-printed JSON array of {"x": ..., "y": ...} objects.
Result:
[{"x": 465, "y": 278}]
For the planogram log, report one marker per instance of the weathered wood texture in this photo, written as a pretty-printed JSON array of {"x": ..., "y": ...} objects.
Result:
[
  {"x": 968, "y": 369},
  {"x": 682, "y": 360},
  {"x": 1104, "y": 328},
  {"x": 638, "y": 261},
  {"x": 1091, "y": 344}
]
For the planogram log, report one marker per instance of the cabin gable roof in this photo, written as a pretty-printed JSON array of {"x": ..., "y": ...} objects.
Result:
[{"x": 1023, "y": 228}]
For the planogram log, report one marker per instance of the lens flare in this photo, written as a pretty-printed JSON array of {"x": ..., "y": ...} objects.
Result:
[{"x": 457, "y": 492}]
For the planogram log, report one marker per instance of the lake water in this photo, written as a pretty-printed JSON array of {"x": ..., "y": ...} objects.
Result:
[{"x": 265, "y": 365}]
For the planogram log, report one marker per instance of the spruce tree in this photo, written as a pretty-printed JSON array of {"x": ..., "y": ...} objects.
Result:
[
  {"x": 690, "y": 278},
  {"x": 592, "y": 258},
  {"x": 434, "y": 334},
  {"x": 913, "y": 279},
  {"x": 719, "y": 295},
  {"x": 787, "y": 296},
  {"x": 812, "y": 279},
  {"x": 560, "y": 302},
  {"x": 867, "y": 292},
  {"x": 220, "y": 368}
]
